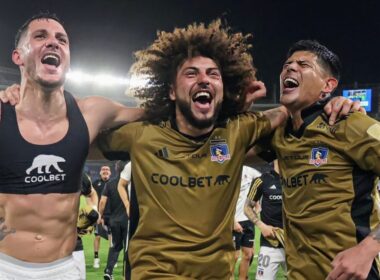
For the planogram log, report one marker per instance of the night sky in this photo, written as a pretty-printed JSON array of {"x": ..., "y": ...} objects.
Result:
[{"x": 105, "y": 33}]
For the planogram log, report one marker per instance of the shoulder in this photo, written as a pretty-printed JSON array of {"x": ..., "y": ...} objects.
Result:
[
  {"x": 251, "y": 171},
  {"x": 91, "y": 102},
  {"x": 249, "y": 117},
  {"x": 358, "y": 125}
]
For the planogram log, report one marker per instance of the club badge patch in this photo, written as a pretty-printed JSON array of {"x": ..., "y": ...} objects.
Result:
[
  {"x": 219, "y": 151},
  {"x": 319, "y": 156}
]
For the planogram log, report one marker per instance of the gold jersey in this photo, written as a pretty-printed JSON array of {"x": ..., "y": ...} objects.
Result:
[
  {"x": 327, "y": 174},
  {"x": 186, "y": 191}
]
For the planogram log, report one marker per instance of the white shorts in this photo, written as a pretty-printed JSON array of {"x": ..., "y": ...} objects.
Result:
[
  {"x": 269, "y": 261},
  {"x": 80, "y": 262},
  {"x": 14, "y": 269}
]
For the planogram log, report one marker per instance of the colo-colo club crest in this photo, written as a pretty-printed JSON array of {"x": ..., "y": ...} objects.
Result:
[
  {"x": 318, "y": 156},
  {"x": 219, "y": 151}
]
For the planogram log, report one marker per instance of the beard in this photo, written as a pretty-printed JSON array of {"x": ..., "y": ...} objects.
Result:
[{"x": 185, "y": 109}]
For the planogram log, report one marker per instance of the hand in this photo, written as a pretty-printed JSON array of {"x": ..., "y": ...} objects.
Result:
[
  {"x": 340, "y": 106},
  {"x": 238, "y": 227},
  {"x": 353, "y": 263},
  {"x": 10, "y": 94},
  {"x": 266, "y": 230},
  {"x": 254, "y": 91}
]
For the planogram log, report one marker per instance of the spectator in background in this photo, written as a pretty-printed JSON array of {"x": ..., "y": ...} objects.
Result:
[
  {"x": 118, "y": 219},
  {"x": 100, "y": 230},
  {"x": 244, "y": 230}
]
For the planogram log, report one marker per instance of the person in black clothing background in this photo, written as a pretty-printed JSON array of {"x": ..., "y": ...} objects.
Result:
[
  {"x": 100, "y": 231},
  {"x": 118, "y": 220},
  {"x": 267, "y": 188}
]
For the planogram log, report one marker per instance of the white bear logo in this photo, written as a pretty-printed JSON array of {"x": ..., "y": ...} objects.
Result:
[{"x": 45, "y": 161}]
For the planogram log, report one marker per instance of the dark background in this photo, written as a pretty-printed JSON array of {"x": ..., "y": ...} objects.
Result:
[{"x": 104, "y": 34}]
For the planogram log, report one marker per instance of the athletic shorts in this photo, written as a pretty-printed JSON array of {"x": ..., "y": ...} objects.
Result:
[
  {"x": 14, "y": 269},
  {"x": 80, "y": 262},
  {"x": 269, "y": 261},
  {"x": 245, "y": 238}
]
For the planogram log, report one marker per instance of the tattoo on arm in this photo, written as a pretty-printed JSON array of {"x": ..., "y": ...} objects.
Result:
[
  {"x": 276, "y": 116},
  {"x": 376, "y": 233},
  {"x": 250, "y": 212},
  {"x": 4, "y": 229}
]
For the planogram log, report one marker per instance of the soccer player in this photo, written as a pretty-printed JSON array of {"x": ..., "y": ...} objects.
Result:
[
  {"x": 267, "y": 191},
  {"x": 44, "y": 141},
  {"x": 187, "y": 159},
  {"x": 327, "y": 172}
]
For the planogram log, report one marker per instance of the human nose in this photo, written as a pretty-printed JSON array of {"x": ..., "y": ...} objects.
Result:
[
  {"x": 203, "y": 79},
  {"x": 292, "y": 66},
  {"x": 52, "y": 43}
]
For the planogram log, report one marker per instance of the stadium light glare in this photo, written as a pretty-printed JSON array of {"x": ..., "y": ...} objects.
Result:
[
  {"x": 139, "y": 81},
  {"x": 80, "y": 77}
]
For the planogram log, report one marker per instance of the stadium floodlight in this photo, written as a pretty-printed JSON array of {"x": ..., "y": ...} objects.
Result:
[
  {"x": 80, "y": 77},
  {"x": 107, "y": 80}
]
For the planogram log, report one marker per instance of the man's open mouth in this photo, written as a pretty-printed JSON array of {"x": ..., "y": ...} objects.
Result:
[
  {"x": 202, "y": 97},
  {"x": 290, "y": 83},
  {"x": 51, "y": 59}
]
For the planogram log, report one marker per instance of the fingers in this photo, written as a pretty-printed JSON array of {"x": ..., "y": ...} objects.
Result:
[
  {"x": 255, "y": 90},
  {"x": 3, "y": 97},
  {"x": 258, "y": 90},
  {"x": 12, "y": 94},
  {"x": 338, "y": 107},
  {"x": 346, "y": 108},
  {"x": 335, "y": 272}
]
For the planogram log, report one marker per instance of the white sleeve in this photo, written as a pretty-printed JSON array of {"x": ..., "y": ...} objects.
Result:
[
  {"x": 126, "y": 173},
  {"x": 252, "y": 172}
]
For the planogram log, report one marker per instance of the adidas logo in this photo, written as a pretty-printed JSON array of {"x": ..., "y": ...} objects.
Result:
[
  {"x": 162, "y": 153},
  {"x": 273, "y": 187}
]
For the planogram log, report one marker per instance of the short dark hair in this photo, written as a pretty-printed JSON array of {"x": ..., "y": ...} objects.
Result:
[
  {"x": 326, "y": 58},
  {"x": 41, "y": 15}
]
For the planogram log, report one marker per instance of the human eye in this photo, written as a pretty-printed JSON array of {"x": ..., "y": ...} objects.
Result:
[
  {"x": 62, "y": 40},
  {"x": 39, "y": 35},
  {"x": 304, "y": 64},
  {"x": 190, "y": 72},
  {"x": 215, "y": 73}
]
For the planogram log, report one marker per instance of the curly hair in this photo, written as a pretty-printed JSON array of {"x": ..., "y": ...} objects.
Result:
[{"x": 161, "y": 60}]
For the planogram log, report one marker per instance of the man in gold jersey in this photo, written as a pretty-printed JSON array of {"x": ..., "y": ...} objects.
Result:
[
  {"x": 327, "y": 172},
  {"x": 188, "y": 157}
]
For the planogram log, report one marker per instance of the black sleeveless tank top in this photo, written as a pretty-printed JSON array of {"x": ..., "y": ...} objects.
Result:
[{"x": 27, "y": 168}]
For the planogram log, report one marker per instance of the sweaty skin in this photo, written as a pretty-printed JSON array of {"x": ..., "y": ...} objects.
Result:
[{"x": 41, "y": 228}]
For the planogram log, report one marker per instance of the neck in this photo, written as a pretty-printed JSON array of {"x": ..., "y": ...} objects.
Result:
[
  {"x": 186, "y": 128},
  {"x": 37, "y": 101},
  {"x": 297, "y": 120}
]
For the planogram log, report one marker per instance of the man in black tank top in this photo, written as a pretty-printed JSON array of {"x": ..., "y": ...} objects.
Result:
[{"x": 44, "y": 142}]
